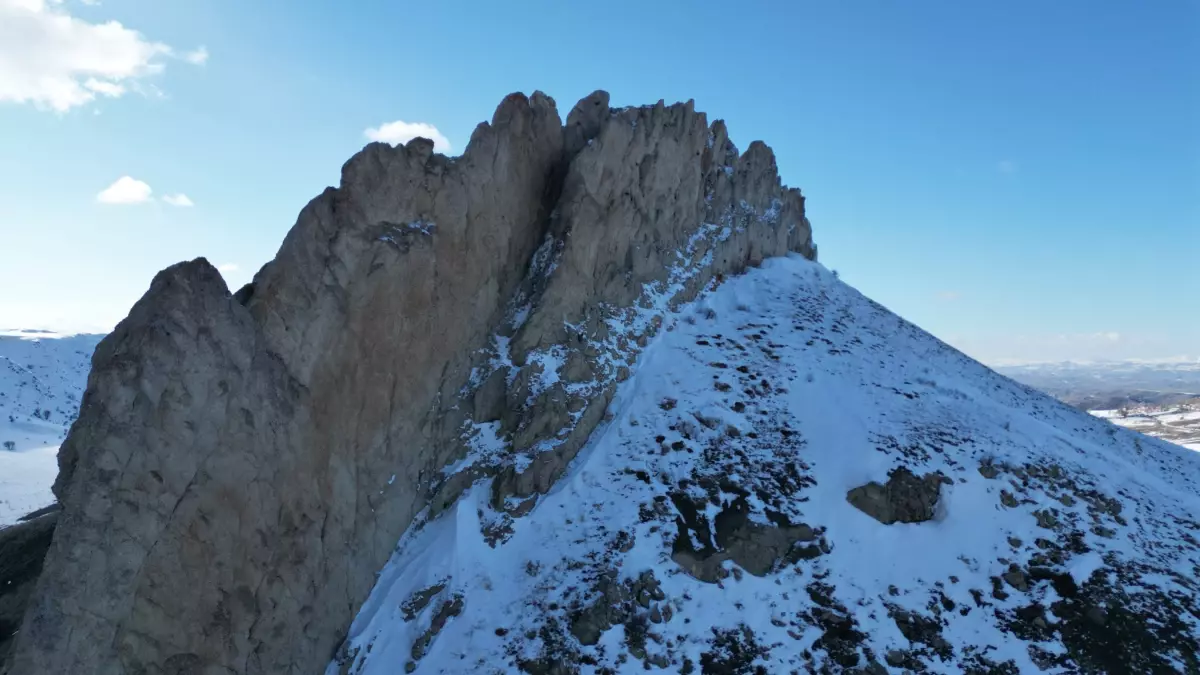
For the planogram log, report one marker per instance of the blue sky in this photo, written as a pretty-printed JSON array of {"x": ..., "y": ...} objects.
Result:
[{"x": 1020, "y": 178}]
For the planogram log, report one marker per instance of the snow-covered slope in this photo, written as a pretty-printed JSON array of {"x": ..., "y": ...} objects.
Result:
[
  {"x": 42, "y": 378},
  {"x": 1179, "y": 424},
  {"x": 706, "y": 527}
]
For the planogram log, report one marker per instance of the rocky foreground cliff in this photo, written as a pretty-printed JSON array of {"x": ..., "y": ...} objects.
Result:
[{"x": 244, "y": 464}]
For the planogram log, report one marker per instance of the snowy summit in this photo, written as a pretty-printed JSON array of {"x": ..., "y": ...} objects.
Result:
[{"x": 716, "y": 523}]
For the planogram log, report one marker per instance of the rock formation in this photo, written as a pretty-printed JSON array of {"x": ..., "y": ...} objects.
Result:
[
  {"x": 22, "y": 550},
  {"x": 243, "y": 464},
  {"x": 905, "y": 498}
]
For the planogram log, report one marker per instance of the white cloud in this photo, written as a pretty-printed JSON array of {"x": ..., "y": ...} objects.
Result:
[
  {"x": 1006, "y": 166},
  {"x": 949, "y": 296},
  {"x": 56, "y": 61},
  {"x": 104, "y": 88},
  {"x": 400, "y": 132},
  {"x": 197, "y": 57},
  {"x": 125, "y": 190},
  {"x": 225, "y": 268},
  {"x": 177, "y": 200}
]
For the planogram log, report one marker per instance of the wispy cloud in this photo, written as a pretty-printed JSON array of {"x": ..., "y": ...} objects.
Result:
[
  {"x": 1076, "y": 339},
  {"x": 1050, "y": 347},
  {"x": 56, "y": 61},
  {"x": 197, "y": 57},
  {"x": 948, "y": 296},
  {"x": 400, "y": 132},
  {"x": 179, "y": 199},
  {"x": 225, "y": 268},
  {"x": 125, "y": 190},
  {"x": 1007, "y": 166}
]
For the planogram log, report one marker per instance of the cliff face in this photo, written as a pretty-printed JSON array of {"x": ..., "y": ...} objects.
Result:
[{"x": 244, "y": 464}]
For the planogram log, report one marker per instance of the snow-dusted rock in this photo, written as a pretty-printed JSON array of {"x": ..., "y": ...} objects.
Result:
[
  {"x": 765, "y": 401},
  {"x": 244, "y": 464},
  {"x": 904, "y": 498}
]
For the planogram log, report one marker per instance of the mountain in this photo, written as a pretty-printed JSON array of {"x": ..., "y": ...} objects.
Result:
[
  {"x": 591, "y": 378},
  {"x": 795, "y": 480},
  {"x": 1110, "y": 385},
  {"x": 42, "y": 378},
  {"x": 244, "y": 464}
]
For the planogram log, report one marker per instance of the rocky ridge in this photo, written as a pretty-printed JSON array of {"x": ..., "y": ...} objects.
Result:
[
  {"x": 243, "y": 464},
  {"x": 795, "y": 480}
]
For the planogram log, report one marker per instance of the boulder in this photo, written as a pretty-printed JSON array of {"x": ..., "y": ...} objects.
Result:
[{"x": 905, "y": 498}]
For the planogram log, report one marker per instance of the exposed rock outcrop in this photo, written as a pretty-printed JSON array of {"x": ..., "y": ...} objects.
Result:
[
  {"x": 22, "y": 549},
  {"x": 244, "y": 463},
  {"x": 755, "y": 547},
  {"x": 905, "y": 498}
]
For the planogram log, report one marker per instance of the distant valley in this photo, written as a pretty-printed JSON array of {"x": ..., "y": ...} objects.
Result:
[
  {"x": 1159, "y": 399},
  {"x": 42, "y": 379}
]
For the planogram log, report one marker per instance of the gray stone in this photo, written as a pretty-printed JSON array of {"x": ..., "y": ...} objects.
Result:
[
  {"x": 1016, "y": 578},
  {"x": 905, "y": 498},
  {"x": 755, "y": 547},
  {"x": 22, "y": 550}
]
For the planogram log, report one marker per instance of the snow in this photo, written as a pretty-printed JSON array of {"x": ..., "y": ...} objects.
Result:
[
  {"x": 25, "y": 480},
  {"x": 1179, "y": 424},
  {"x": 396, "y": 233},
  {"x": 858, "y": 391},
  {"x": 42, "y": 378},
  {"x": 1083, "y": 567},
  {"x": 1172, "y": 418},
  {"x": 422, "y": 226}
]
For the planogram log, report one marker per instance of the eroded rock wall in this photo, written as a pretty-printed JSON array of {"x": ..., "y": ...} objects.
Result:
[{"x": 244, "y": 463}]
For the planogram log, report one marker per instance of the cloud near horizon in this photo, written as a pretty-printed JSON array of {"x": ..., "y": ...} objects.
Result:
[
  {"x": 400, "y": 132},
  {"x": 1100, "y": 345},
  {"x": 56, "y": 61},
  {"x": 179, "y": 199}
]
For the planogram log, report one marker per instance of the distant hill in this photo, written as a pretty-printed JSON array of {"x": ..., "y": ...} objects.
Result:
[
  {"x": 1177, "y": 423},
  {"x": 42, "y": 378},
  {"x": 1112, "y": 385}
]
